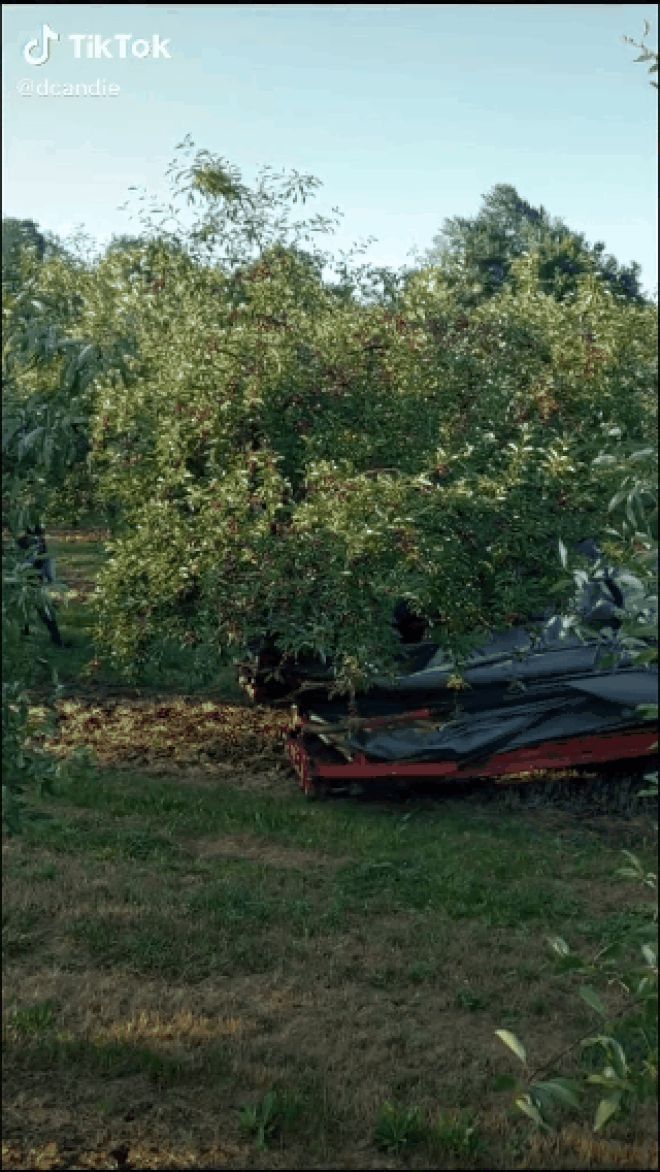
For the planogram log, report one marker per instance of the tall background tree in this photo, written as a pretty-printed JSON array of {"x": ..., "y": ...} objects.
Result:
[{"x": 476, "y": 255}]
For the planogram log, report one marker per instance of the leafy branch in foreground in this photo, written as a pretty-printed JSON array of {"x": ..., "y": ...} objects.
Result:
[
  {"x": 646, "y": 53},
  {"x": 23, "y": 764},
  {"x": 626, "y": 1046},
  {"x": 619, "y": 1063},
  {"x": 46, "y": 374}
]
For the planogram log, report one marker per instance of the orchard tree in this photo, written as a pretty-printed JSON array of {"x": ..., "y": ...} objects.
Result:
[
  {"x": 40, "y": 443},
  {"x": 48, "y": 372},
  {"x": 476, "y": 254},
  {"x": 24, "y": 244},
  {"x": 291, "y": 462}
]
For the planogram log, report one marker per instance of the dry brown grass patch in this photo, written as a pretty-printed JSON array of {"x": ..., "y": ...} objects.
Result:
[{"x": 252, "y": 849}]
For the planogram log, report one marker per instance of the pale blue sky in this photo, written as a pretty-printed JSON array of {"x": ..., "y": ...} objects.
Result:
[{"x": 407, "y": 114}]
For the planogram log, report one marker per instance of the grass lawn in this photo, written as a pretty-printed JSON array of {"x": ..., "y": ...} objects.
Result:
[{"x": 203, "y": 969}]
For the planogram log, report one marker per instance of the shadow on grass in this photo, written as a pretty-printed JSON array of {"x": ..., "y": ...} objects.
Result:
[{"x": 84, "y": 1058}]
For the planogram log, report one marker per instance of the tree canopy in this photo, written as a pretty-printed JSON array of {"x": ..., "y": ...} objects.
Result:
[
  {"x": 288, "y": 446},
  {"x": 477, "y": 254}
]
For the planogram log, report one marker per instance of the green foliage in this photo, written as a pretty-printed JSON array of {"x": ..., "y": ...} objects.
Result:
[
  {"x": 647, "y": 54},
  {"x": 455, "y": 1134},
  {"x": 285, "y": 443},
  {"x": 452, "y": 1134},
  {"x": 267, "y": 1120},
  {"x": 283, "y": 459},
  {"x": 466, "y": 999},
  {"x": 399, "y": 1128},
  {"x": 477, "y": 256},
  {"x": 46, "y": 373},
  {"x": 33, "y": 1019},
  {"x": 24, "y": 247},
  {"x": 618, "y": 1064},
  {"x": 632, "y": 543},
  {"x": 23, "y": 764}
]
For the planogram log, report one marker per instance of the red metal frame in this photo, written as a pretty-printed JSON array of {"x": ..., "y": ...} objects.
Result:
[{"x": 315, "y": 773}]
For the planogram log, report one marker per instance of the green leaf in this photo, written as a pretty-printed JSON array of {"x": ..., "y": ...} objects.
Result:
[
  {"x": 649, "y": 954},
  {"x": 643, "y": 454},
  {"x": 513, "y": 1044},
  {"x": 592, "y": 999},
  {"x": 559, "y": 945},
  {"x": 525, "y": 1104},
  {"x": 562, "y": 1089},
  {"x": 649, "y": 656},
  {"x": 597, "y": 1040},
  {"x": 605, "y": 1110},
  {"x": 566, "y": 961},
  {"x": 505, "y": 1082},
  {"x": 619, "y": 1059},
  {"x": 610, "y": 1081}
]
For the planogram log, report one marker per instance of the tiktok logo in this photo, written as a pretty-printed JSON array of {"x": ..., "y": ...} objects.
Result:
[
  {"x": 31, "y": 51},
  {"x": 95, "y": 47}
]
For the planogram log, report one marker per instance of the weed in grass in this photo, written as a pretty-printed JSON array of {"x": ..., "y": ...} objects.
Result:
[
  {"x": 466, "y": 999},
  {"x": 381, "y": 978},
  {"x": 524, "y": 973},
  {"x": 384, "y": 882},
  {"x": 80, "y": 766},
  {"x": 132, "y": 894},
  {"x": 20, "y": 929},
  {"x": 33, "y": 1019},
  {"x": 247, "y": 955},
  {"x": 267, "y": 1120},
  {"x": 41, "y": 872},
  {"x": 101, "y": 936},
  {"x": 454, "y": 1134},
  {"x": 95, "y": 837},
  {"x": 462, "y": 888},
  {"x": 511, "y": 1019},
  {"x": 621, "y": 925},
  {"x": 213, "y": 1065},
  {"x": 157, "y": 946},
  {"x": 421, "y": 972},
  {"x": 229, "y": 901},
  {"x": 539, "y": 1007},
  {"x": 398, "y": 1128}
]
